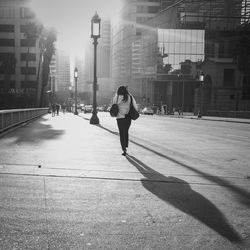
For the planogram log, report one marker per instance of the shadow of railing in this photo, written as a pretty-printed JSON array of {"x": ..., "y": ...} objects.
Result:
[
  {"x": 179, "y": 194},
  {"x": 36, "y": 132}
]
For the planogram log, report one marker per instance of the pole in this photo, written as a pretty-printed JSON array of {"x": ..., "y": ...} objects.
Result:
[
  {"x": 202, "y": 98},
  {"x": 75, "y": 113},
  {"x": 183, "y": 96},
  {"x": 94, "y": 119},
  {"x": 200, "y": 113}
]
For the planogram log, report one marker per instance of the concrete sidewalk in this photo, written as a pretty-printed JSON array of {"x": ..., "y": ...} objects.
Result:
[{"x": 65, "y": 185}]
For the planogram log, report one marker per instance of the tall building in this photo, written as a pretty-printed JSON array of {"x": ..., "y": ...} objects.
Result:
[
  {"x": 19, "y": 57},
  {"x": 62, "y": 79},
  {"x": 126, "y": 36}
]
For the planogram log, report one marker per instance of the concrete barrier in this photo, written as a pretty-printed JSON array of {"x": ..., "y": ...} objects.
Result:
[{"x": 14, "y": 117}]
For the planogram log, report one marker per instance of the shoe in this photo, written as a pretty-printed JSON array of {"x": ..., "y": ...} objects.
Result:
[{"x": 124, "y": 153}]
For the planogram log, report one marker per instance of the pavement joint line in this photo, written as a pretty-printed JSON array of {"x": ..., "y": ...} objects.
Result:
[
  {"x": 135, "y": 172},
  {"x": 116, "y": 179},
  {"x": 128, "y": 172},
  {"x": 20, "y": 164},
  {"x": 46, "y": 214}
]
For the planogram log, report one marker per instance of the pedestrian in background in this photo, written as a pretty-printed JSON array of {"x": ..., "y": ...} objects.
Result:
[
  {"x": 53, "y": 109},
  {"x": 123, "y": 98},
  {"x": 57, "y": 109},
  {"x": 64, "y": 107}
]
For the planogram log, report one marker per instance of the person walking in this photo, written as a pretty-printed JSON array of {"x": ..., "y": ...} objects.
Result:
[
  {"x": 123, "y": 99},
  {"x": 64, "y": 107},
  {"x": 57, "y": 108},
  {"x": 53, "y": 109}
]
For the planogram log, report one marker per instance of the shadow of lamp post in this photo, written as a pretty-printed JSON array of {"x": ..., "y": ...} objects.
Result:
[
  {"x": 201, "y": 79},
  {"x": 95, "y": 34},
  {"x": 75, "y": 76}
]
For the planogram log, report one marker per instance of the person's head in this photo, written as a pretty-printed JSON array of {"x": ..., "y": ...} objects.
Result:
[{"x": 122, "y": 90}]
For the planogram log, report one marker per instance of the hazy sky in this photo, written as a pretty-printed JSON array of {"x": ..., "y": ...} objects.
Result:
[{"x": 71, "y": 18}]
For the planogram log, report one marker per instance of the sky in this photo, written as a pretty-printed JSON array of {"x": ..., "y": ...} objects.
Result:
[{"x": 72, "y": 19}]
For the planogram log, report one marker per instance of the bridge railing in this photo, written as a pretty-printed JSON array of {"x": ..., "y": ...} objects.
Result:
[{"x": 14, "y": 117}]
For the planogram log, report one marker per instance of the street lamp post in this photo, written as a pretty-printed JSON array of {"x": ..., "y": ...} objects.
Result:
[
  {"x": 75, "y": 76},
  {"x": 180, "y": 77},
  {"x": 95, "y": 34},
  {"x": 69, "y": 100},
  {"x": 201, "y": 79}
]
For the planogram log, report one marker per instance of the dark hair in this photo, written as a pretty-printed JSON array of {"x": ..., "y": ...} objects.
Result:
[{"x": 122, "y": 90}]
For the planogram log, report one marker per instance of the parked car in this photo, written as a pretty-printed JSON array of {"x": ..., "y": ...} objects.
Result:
[
  {"x": 101, "y": 108},
  {"x": 88, "y": 109},
  {"x": 147, "y": 111},
  {"x": 82, "y": 107}
]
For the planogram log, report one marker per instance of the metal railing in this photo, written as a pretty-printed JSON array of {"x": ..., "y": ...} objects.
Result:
[{"x": 13, "y": 117}]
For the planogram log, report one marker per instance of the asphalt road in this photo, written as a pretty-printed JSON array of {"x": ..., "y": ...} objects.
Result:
[{"x": 184, "y": 185}]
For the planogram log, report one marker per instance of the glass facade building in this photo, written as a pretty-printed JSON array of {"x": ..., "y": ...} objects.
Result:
[
  {"x": 178, "y": 45},
  {"x": 170, "y": 58},
  {"x": 167, "y": 50}
]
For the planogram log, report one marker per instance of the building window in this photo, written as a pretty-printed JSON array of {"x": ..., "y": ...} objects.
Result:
[
  {"x": 141, "y": 9},
  {"x": 29, "y": 84},
  {"x": 32, "y": 57},
  {"x": 246, "y": 89},
  {"x": 153, "y": 9},
  {"x": 26, "y": 13},
  {"x": 12, "y": 84},
  {"x": 7, "y": 12},
  {"x": 228, "y": 78},
  {"x": 141, "y": 19},
  {"x": 7, "y": 28},
  {"x": 28, "y": 42},
  {"x": 7, "y": 42},
  {"x": 31, "y": 70}
]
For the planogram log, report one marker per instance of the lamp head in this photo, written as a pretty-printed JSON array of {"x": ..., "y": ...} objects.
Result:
[
  {"x": 76, "y": 72},
  {"x": 201, "y": 77},
  {"x": 95, "y": 26}
]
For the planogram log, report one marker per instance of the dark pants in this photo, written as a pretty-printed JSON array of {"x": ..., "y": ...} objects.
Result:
[{"x": 123, "y": 126}]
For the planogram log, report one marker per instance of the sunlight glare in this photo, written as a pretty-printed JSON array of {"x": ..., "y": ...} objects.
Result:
[{"x": 72, "y": 19}]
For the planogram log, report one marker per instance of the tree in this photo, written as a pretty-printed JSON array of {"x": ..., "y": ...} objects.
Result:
[
  {"x": 7, "y": 67},
  {"x": 49, "y": 51},
  {"x": 167, "y": 68},
  {"x": 31, "y": 31}
]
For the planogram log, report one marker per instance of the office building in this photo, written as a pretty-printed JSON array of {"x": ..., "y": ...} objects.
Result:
[
  {"x": 186, "y": 39},
  {"x": 62, "y": 75},
  {"x": 19, "y": 72}
]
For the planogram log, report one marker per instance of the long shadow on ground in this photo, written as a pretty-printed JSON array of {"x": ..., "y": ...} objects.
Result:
[
  {"x": 180, "y": 195},
  {"x": 243, "y": 195}
]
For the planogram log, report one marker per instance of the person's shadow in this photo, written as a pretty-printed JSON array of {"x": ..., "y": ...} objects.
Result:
[{"x": 180, "y": 195}]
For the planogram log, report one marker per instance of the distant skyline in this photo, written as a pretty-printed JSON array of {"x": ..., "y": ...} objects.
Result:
[{"x": 72, "y": 19}]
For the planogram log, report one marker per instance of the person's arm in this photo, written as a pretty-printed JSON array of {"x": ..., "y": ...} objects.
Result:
[
  {"x": 115, "y": 99},
  {"x": 134, "y": 103}
]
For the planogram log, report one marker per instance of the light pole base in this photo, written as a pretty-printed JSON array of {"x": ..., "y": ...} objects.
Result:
[{"x": 94, "y": 119}]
